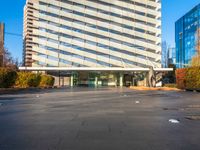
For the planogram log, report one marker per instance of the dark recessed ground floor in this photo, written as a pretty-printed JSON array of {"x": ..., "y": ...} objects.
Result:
[
  {"x": 99, "y": 79},
  {"x": 101, "y": 76}
]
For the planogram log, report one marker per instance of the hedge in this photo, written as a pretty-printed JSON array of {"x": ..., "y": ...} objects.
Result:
[
  {"x": 193, "y": 78},
  {"x": 46, "y": 81},
  {"x": 27, "y": 79},
  {"x": 188, "y": 78},
  {"x": 7, "y": 77},
  {"x": 180, "y": 78},
  {"x": 11, "y": 78}
]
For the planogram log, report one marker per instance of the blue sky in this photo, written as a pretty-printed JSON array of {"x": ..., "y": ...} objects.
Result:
[{"x": 11, "y": 13}]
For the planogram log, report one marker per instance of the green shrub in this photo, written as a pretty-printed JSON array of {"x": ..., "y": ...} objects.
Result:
[
  {"x": 34, "y": 80},
  {"x": 193, "y": 78},
  {"x": 27, "y": 79},
  {"x": 7, "y": 77},
  {"x": 46, "y": 81}
]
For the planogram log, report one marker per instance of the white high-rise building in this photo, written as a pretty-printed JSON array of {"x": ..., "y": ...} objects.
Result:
[
  {"x": 92, "y": 33},
  {"x": 111, "y": 40}
]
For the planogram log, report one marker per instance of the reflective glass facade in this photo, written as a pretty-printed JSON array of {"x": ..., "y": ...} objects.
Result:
[
  {"x": 186, "y": 36},
  {"x": 92, "y": 33}
]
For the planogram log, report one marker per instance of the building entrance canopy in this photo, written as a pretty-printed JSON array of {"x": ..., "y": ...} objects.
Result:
[{"x": 94, "y": 69}]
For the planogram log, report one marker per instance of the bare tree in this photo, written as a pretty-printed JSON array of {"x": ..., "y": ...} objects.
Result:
[{"x": 8, "y": 60}]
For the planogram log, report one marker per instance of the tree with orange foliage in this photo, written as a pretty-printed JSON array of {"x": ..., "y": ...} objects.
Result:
[{"x": 196, "y": 58}]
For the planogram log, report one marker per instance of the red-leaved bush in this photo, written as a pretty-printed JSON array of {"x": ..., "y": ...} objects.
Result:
[
  {"x": 188, "y": 78},
  {"x": 181, "y": 78}
]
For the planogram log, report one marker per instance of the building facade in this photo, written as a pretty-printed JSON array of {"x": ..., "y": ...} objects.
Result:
[
  {"x": 1, "y": 43},
  {"x": 187, "y": 37},
  {"x": 165, "y": 54},
  {"x": 168, "y": 55},
  {"x": 92, "y": 33},
  {"x": 172, "y": 56}
]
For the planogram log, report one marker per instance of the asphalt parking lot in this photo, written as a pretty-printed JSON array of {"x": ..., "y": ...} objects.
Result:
[{"x": 99, "y": 119}]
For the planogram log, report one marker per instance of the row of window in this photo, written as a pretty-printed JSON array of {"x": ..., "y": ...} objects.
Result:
[
  {"x": 127, "y": 1},
  {"x": 76, "y": 47},
  {"x": 90, "y": 50},
  {"x": 86, "y": 58},
  {"x": 100, "y": 27},
  {"x": 68, "y": 62},
  {"x": 98, "y": 18},
  {"x": 106, "y": 12},
  {"x": 89, "y": 42},
  {"x": 95, "y": 27},
  {"x": 100, "y": 36}
]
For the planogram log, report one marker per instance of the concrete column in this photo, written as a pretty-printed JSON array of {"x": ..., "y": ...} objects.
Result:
[
  {"x": 96, "y": 81},
  {"x": 116, "y": 82},
  {"x": 121, "y": 80},
  {"x": 59, "y": 78},
  {"x": 72, "y": 81}
]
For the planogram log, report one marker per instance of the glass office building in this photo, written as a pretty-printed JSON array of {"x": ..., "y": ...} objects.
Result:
[{"x": 187, "y": 37}]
